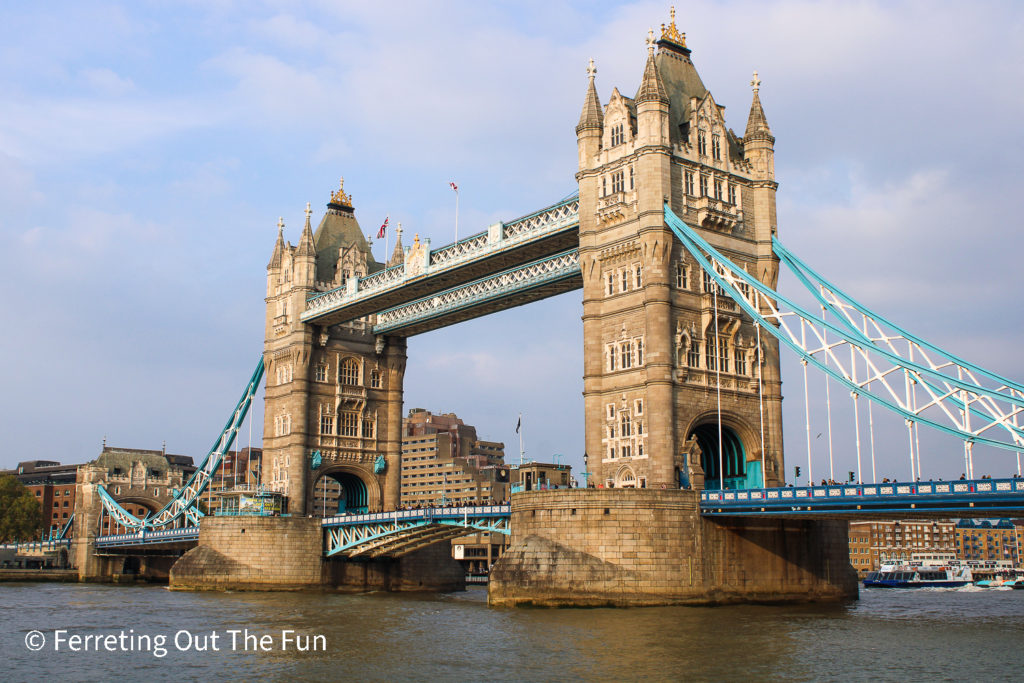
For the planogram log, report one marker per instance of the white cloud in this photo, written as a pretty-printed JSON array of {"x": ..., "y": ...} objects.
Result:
[{"x": 106, "y": 81}]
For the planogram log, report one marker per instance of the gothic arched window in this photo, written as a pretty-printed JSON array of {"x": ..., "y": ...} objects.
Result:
[{"x": 348, "y": 373}]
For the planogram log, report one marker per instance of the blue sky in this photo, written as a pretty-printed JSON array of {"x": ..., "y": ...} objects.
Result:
[{"x": 148, "y": 148}]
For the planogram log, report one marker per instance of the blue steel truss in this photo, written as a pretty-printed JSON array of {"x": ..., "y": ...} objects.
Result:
[
  {"x": 501, "y": 285},
  {"x": 401, "y": 531},
  {"x": 970, "y": 498},
  {"x": 934, "y": 388},
  {"x": 183, "y": 506},
  {"x": 147, "y": 537},
  {"x": 500, "y": 237}
]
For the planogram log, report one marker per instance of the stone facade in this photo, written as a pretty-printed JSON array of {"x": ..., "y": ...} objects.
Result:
[
  {"x": 336, "y": 390},
  {"x": 586, "y": 547},
  {"x": 650, "y": 317},
  {"x": 139, "y": 480}
]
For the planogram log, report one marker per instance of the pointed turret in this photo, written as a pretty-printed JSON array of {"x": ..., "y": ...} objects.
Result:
[
  {"x": 591, "y": 118},
  {"x": 591, "y": 125},
  {"x": 652, "y": 102},
  {"x": 275, "y": 258},
  {"x": 758, "y": 141},
  {"x": 305, "y": 255},
  {"x": 757, "y": 124},
  {"x": 398, "y": 255},
  {"x": 652, "y": 88},
  {"x": 306, "y": 248}
]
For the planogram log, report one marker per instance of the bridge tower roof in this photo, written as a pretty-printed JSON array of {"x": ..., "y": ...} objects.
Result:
[
  {"x": 678, "y": 74},
  {"x": 339, "y": 229}
]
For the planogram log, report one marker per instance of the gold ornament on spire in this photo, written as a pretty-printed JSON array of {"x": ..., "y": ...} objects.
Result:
[
  {"x": 671, "y": 33},
  {"x": 340, "y": 197}
]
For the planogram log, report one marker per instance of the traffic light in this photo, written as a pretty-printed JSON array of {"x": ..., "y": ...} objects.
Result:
[
  {"x": 797, "y": 470},
  {"x": 851, "y": 476}
]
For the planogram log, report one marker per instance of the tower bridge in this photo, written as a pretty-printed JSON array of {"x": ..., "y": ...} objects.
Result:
[{"x": 673, "y": 240}]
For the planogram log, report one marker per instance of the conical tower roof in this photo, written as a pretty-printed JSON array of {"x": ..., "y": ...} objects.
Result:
[
  {"x": 757, "y": 124},
  {"x": 275, "y": 258},
  {"x": 339, "y": 228},
  {"x": 591, "y": 118},
  {"x": 652, "y": 88}
]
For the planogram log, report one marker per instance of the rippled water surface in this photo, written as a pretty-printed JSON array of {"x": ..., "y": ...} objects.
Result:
[{"x": 911, "y": 635}]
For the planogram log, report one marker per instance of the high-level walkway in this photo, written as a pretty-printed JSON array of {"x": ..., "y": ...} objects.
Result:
[{"x": 507, "y": 265}]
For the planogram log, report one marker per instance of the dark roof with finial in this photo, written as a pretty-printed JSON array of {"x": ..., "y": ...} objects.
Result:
[
  {"x": 678, "y": 75},
  {"x": 591, "y": 118},
  {"x": 339, "y": 228}
]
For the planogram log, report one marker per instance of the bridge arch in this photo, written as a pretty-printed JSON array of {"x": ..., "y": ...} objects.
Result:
[
  {"x": 739, "y": 445},
  {"x": 358, "y": 492},
  {"x": 140, "y": 506}
]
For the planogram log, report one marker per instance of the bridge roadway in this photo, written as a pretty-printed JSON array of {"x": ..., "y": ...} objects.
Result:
[
  {"x": 507, "y": 265},
  {"x": 896, "y": 500},
  {"x": 397, "y": 533}
]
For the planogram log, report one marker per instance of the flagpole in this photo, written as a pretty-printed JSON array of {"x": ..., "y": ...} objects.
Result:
[
  {"x": 520, "y": 430},
  {"x": 456, "y": 189}
]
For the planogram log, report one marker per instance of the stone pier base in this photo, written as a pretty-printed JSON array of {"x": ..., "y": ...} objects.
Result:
[
  {"x": 622, "y": 547},
  {"x": 286, "y": 553}
]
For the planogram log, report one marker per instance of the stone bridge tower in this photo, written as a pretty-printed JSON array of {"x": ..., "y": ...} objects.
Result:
[
  {"x": 335, "y": 390},
  {"x": 657, "y": 357}
]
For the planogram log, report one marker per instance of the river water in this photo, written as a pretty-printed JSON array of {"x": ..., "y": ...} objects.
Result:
[{"x": 910, "y": 635}]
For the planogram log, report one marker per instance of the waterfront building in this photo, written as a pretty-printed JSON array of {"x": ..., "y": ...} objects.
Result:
[
  {"x": 988, "y": 540},
  {"x": 53, "y": 485},
  {"x": 876, "y": 542}
]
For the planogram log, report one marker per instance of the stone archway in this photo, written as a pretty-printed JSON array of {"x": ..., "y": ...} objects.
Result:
[
  {"x": 625, "y": 478},
  {"x": 346, "y": 490},
  {"x": 738, "y": 445}
]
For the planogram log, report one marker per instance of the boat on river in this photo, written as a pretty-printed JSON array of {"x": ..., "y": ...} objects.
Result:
[{"x": 924, "y": 576}]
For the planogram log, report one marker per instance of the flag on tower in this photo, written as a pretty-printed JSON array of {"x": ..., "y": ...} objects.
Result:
[
  {"x": 519, "y": 424},
  {"x": 383, "y": 228},
  {"x": 454, "y": 186}
]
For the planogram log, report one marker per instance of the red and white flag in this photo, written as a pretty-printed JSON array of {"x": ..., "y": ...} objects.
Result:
[
  {"x": 454, "y": 186},
  {"x": 383, "y": 228}
]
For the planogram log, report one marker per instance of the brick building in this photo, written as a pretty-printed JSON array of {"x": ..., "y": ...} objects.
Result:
[
  {"x": 876, "y": 542},
  {"x": 988, "y": 540},
  {"x": 443, "y": 461}
]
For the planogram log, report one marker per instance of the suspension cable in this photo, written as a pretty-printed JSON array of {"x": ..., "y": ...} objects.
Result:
[
  {"x": 718, "y": 385},
  {"x": 807, "y": 407},
  {"x": 828, "y": 408},
  {"x": 760, "y": 405}
]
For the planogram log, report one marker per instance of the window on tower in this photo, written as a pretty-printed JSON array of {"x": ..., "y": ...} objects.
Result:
[
  {"x": 718, "y": 189},
  {"x": 611, "y": 283},
  {"x": 716, "y": 146},
  {"x": 732, "y": 193},
  {"x": 702, "y": 143},
  {"x": 617, "y": 182},
  {"x": 617, "y": 135},
  {"x": 682, "y": 276},
  {"x": 348, "y": 373},
  {"x": 688, "y": 182},
  {"x": 703, "y": 185}
]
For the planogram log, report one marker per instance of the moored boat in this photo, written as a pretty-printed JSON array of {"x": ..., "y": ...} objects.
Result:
[{"x": 905, "y": 576}]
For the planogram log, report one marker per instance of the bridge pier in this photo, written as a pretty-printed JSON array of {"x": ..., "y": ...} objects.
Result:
[
  {"x": 633, "y": 547},
  {"x": 287, "y": 553}
]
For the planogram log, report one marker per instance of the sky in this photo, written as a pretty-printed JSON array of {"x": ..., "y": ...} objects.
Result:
[{"x": 147, "y": 150}]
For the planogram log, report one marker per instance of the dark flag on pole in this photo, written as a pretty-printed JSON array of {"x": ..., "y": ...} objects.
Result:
[{"x": 519, "y": 424}]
